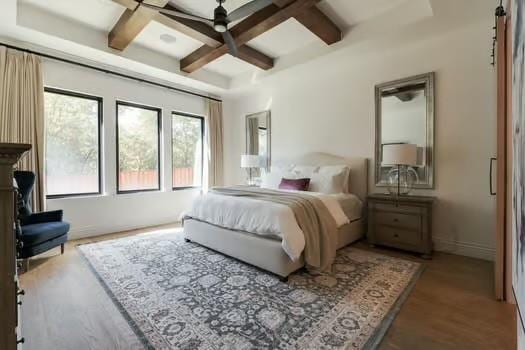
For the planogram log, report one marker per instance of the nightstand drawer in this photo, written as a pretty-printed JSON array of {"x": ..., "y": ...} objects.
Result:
[
  {"x": 406, "y": 221},
  {"x": 397, "y": 208},
  {"x": 398, "y": 237}
]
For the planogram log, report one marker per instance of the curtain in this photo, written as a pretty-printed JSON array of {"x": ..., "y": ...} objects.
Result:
[
  {"x": 22, "y": 112},
  {"x": 215, "y": 143}
]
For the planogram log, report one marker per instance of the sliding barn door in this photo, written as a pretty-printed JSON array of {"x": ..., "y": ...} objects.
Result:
[
  {"x": 508, "y": 295},
  {"x": 503, "y": 53}
]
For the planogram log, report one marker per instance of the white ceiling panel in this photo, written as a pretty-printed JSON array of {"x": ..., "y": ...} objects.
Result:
[
  {"x": 229, "y": 66},
  {"x": 346, "y": 13},
  {"x": 98, "y": 14},
  {"x": 150, "y": 37},
  {"x": 283, "y": 39}
]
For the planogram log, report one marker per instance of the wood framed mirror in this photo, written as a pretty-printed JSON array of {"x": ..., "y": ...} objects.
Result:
[{"x": 258, "y": 136}]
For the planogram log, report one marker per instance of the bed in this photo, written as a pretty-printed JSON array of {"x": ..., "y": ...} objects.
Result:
[{"x": 266, "y": 252}]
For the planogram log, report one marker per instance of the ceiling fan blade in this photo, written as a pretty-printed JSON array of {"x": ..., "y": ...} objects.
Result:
[
  {"x": 177, "y": 13},
  {"x": 248, "y": 9},
  {"x": 232, "y": 46}
]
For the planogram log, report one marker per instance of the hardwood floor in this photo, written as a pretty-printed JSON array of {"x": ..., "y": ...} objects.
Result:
[{"x": 451, "y": 307}]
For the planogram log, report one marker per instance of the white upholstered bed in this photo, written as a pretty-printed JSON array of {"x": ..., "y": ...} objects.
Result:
[{"x": 267, "y": 252}]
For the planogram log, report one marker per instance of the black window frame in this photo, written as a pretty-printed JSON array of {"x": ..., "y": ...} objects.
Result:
[
  {"x": 201, "y": 118},
  {"x": 159, "y": 144},
  {"x": 100, "y": 112}
]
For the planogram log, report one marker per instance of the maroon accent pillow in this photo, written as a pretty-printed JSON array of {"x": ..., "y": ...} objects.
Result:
[{"x": 295, "y": 184}]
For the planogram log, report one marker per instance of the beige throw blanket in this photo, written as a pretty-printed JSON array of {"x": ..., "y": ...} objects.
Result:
[{"x": 314, "y": 219}]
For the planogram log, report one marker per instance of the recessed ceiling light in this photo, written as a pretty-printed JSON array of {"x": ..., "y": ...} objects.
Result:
[{"x": 168, "y": 38}]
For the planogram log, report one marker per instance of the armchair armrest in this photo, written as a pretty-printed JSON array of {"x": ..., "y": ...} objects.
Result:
[{"x": 39, "y": 218}]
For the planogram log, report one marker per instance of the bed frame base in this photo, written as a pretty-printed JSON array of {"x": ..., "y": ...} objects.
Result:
[{"x": 262, "y": 252}]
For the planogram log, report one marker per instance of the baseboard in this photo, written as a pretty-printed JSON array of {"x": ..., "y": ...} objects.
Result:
[
  {"x": 99, "y": 230},
  {"x": 473, "y": 250},
  {"x": 441, "y": 244}
]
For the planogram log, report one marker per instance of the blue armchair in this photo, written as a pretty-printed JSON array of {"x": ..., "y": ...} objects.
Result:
[{"x": 38, "y": 232}]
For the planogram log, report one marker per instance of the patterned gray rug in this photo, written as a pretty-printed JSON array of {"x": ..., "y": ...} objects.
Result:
[{"x": 179, "y": 295}]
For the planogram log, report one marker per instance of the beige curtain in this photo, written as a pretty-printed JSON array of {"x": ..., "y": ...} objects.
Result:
[
  {"x": 22, "y": 112},
  {"x": 214, "y": 139}
]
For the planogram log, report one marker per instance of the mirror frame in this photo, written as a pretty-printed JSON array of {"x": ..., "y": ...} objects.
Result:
[
  {"x": 264, "y": 114},
  {"x": 428, "y": 79}
]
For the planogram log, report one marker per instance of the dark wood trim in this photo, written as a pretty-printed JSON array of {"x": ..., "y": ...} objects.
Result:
[
  {"x": 246, "y": 30},
  {"x": 135, "y": 18},
  {"x": 131, "y": 23},
  {"x": 320, "y": 24},
  {"x": 194, "y": 29},
  {"x": 159, "y": 145},
  {"x": 100, "y": 112}
]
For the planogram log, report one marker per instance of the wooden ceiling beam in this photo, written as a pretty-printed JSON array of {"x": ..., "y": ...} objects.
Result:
[
  {"x": 212, "y": 39},
  {"x": 203, "y": 33},
  {"x": 254, "y": 57},
  {"x": 131, "y": 23},
  {"x": 248, "y": 29},
  {"x": 319, "y": 24},
  {"x": 282, "y": 3},
  {"x": 194, "y": 29}
]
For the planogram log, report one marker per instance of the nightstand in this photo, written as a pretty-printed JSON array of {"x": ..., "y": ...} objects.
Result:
[{"x": 403, "y": 222}]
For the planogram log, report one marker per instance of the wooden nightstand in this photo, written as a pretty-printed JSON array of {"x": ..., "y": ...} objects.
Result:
[{"x": 404, "y": 222}]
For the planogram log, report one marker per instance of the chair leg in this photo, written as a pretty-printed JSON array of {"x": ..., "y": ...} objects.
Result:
[
  {"x": 25, "y": 265},
  {"x": 62, "y": 249}
]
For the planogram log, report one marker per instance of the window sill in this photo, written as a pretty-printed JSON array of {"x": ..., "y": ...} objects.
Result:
[
  {"x": 75, "y": 196},
  {"x": 175, "y": 189}
]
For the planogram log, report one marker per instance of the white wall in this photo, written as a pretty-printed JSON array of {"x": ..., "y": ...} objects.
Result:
[
  {"x": 328, "y": 105},
  {"x": 111, "y": 212}
]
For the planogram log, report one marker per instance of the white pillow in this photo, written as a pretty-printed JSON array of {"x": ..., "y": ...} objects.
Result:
[
  {"x": 303, "y": 171},
  {"x": 272, "y": 180},
  {"x": 330, "y": 179}
]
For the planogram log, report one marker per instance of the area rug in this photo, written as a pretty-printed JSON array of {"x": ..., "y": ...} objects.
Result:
[{"x": 179, "y": 295}]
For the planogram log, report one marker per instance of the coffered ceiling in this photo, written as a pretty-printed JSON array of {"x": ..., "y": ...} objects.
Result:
[{"x": 81, "y": 28}]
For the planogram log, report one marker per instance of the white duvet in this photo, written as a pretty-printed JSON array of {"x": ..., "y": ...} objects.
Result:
[{"x": 261, "y": 217}]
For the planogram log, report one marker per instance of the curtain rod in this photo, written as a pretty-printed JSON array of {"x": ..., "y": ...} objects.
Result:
[{"x": 107, "y": 71}]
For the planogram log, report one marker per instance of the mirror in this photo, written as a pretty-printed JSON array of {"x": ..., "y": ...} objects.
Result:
[
  {"x": 258, "y": 132},
  {"x": 405, "y": 115}
]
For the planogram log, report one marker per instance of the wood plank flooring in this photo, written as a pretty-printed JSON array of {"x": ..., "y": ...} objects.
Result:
[{"x": 451, "y": 307}]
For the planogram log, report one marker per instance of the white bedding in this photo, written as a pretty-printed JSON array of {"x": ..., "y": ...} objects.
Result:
[{"x": 269, "y": 218}]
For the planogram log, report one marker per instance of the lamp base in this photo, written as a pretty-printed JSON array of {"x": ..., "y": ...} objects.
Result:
[{"x": 400, "y": 180}]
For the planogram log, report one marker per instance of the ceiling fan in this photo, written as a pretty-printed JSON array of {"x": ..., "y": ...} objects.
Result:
[{"x": 221, "y": 18}]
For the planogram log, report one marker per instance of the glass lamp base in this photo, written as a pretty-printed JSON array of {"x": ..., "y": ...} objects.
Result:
[{"x": 400, "y": 180}]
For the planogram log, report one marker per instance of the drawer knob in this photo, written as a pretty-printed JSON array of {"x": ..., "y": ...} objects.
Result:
[
  {"x": 19, "y": 303},
  {"x": 21, "y": 292},
  {"x": 21, "y": 341}
]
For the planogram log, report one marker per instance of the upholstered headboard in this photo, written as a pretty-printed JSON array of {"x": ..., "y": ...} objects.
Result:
[{"x": 358, "y": 168}]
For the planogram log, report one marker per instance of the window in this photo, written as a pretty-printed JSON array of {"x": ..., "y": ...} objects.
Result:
[
  {"x": 138, "y": 148},
  {"x": 73, "y": 123},
  {"x": 187, "y": 150}
]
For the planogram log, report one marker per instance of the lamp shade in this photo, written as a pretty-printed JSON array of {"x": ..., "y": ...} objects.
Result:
[
  {"x": 399, "y": 154},
  {"x": 251, "y": 161}
]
